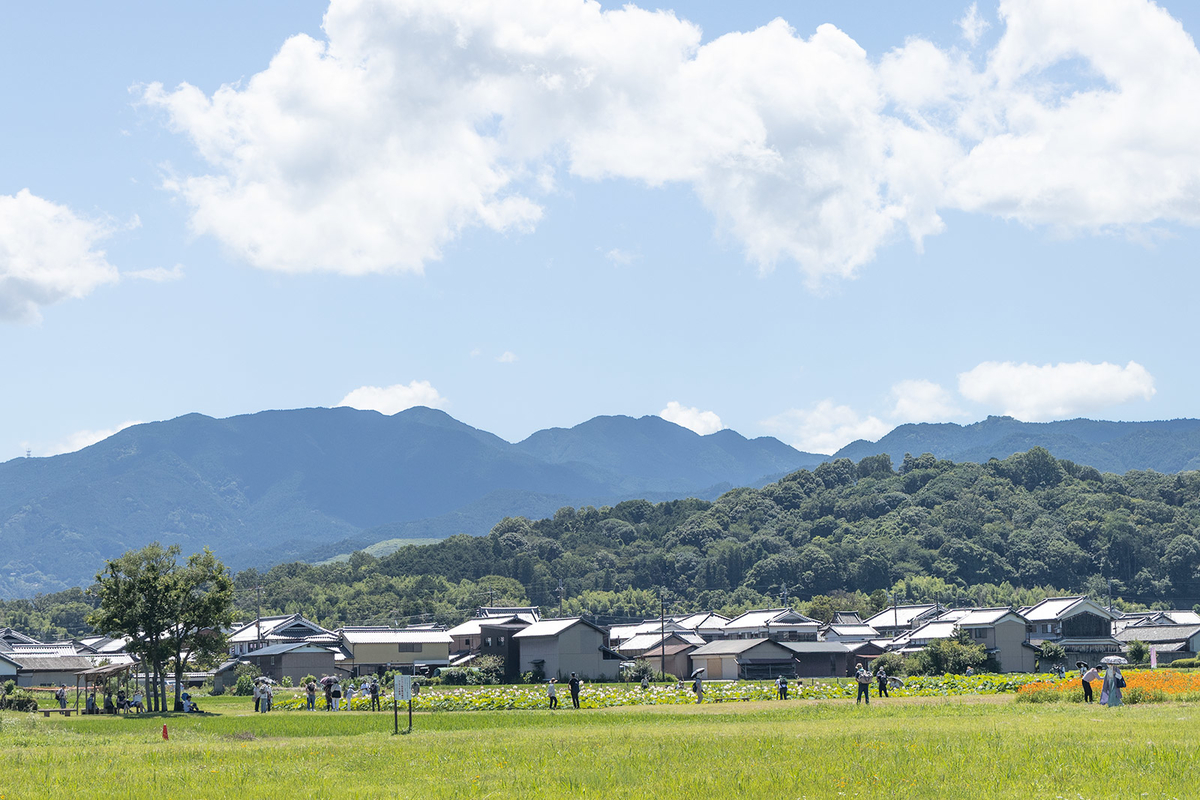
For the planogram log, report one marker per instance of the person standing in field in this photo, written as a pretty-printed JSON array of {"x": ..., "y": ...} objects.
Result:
[
  {"x": 881, "y": 676},
  {"x": 864, "y": 685},
  {"x": 573, "y": 685},
  {"x": 310, "y": 692},
  {"x": 60, "y": 695},
  {"x": 1110, "y": 692},
  {"x": 374, "y": 695},
  {"x": 257, "y": 696},
  {"x": 552, "y": 693},
  {"x": 337, "y": 695},
  {"x": 1090, "y": 674},
  {"x": 328, "y": 695},
  {"x": 698, "y": 688}
]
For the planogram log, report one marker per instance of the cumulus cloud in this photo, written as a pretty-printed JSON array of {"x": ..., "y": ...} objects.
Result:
[
  {"x": 393, "y": 399},
  {"x": 416, "y": 120},
  {"x": 972, "y": 24},
  {"x": 702, "y": 422},
  {"x": 1054, "y": 391},
  {"x": 47, "y": 254},
  {"x": 922, "y": 401},
  {"x": 507, "y": 357},
  {"x": 82, "y": 439},
  {"x": 825, "y": 427}
]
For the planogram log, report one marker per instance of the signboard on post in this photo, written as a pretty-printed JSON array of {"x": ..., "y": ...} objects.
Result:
[
  {"x": 1153, "y": 657},
  {"x": 402, "y": 692}
]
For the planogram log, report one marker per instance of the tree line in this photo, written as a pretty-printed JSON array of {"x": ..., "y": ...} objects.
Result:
[{"x": 843, "y": 536}]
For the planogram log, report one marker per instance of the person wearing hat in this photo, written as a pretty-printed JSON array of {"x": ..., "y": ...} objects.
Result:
[
  {"x": 1089, "y": 674},
  {"x": 552, "y": 693}
]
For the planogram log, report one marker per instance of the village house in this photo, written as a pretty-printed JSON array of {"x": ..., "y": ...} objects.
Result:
[
  {"x": 860, "y": 632},
  {"x": 824, "y": 659},
  {"x": 557, "y": 647},
  {"x": 285, "y": 629},
  {"x": 488, "y": 636},
  {"x": 1081, "y": 626},
  {"x": 744, "y": 659},
  {"x": 672, "y": 658},
  {"x": 639, "y": 645},
  {"x": 294, "y": 660},
  {"x": 781, "y": 624},
  {"x": 1001, "y": 631},
  {"x": 1170, "y": 642},
  {"x": 895, "y": 620},
  {"x": 370, "y": 649}
]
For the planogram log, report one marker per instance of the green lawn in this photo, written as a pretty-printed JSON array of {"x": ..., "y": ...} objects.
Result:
[{"x": 976, "y": 747}]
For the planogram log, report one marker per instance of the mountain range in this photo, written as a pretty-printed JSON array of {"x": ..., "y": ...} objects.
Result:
[
  {"x": 310, "y": 484},
  {"x": 1164, "y": 446}
]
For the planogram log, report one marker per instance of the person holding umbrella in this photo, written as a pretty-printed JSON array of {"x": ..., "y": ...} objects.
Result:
[
  {"x": 698, "y": 684},
  {"x": 1114, "y": 682},
  {"x": 1087, "y": 675},
  {"x": 327, "y": 682}
]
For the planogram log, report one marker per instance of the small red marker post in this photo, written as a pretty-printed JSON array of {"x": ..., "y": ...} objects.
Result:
[{"x": 165, "y": 737}]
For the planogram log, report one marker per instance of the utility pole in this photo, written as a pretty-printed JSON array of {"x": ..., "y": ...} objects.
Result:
[
  {"x": 258, "y": 613},
  {"x": 561, "y": 591},
  {"x": 783, "y": 595},
  {"x": 662, "y": 631}
]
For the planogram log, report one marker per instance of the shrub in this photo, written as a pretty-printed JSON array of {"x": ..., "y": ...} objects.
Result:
[
  {"x": 641, "y": 669},
  {"x": 491, "y": 669},
  {"x": 18, "y": 699},
  {"x": 207, "y": 688},
  {"x": 1138, "y": 651},
  {"x": 310, "y": 678},
  {"x": 245, "y": 673},
  {"x": 892, "y": 663},
  {"x": 286, "y": 682},
  {"x": 1185, "y": 663}
]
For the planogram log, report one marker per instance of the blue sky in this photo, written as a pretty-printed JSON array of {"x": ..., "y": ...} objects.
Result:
[{"x": 535, "y": 213}]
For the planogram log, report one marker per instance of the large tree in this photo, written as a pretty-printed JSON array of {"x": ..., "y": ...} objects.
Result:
[
  {"x": 162, "y": 607},
  {"x": 203, "y": 596}
]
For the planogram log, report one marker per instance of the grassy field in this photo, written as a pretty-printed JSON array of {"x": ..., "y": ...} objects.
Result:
[{"x": 976, "y": 747}]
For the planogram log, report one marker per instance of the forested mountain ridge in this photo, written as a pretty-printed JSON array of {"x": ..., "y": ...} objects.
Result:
[
  {"x": 838, "y": 536},
  {"x": 278, "y": 485},
  {"x": 1163, "y": 445}
]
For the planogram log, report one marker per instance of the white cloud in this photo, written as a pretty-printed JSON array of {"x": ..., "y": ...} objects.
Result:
[
  {"x": 156, "y": 274},
  {"x": 416, "y": 120},
  {"x": 47, "y": 254},
  {"x": 619, "y": 257},
  {"x": 82, "y": 439},
  {"x": 507, "y": 357},
  {"x": 702, "y": 422},
  {"x": 1038, "y": 393},
  {"x": 922, "y": 401},
  {"x": 825, "y": 428},
  {"x": 972, "y": 24},
  {"x": 393, "y": 399}
]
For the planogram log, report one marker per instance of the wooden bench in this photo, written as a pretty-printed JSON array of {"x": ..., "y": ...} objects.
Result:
[{"x": 46, "y": 712}]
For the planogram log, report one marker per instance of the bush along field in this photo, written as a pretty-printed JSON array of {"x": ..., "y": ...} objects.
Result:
[
  {"x": 610, "y": 695},
  {"x": 1141, "y": 686}
]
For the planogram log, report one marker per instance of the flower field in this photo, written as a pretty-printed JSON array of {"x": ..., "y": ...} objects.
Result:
[
  {"x": 610, "y": 695},
  {"x": 1141, "y": 686}
]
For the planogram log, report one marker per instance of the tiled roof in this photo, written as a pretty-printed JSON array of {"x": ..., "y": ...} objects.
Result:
[
  {"x": 397, "y": 635},
  {"x": 759, "y": 618},
  {"x": 899, "y": 616},
  {"x": 1153, "y": 634},
  {"x": 551, "y": 627}
]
